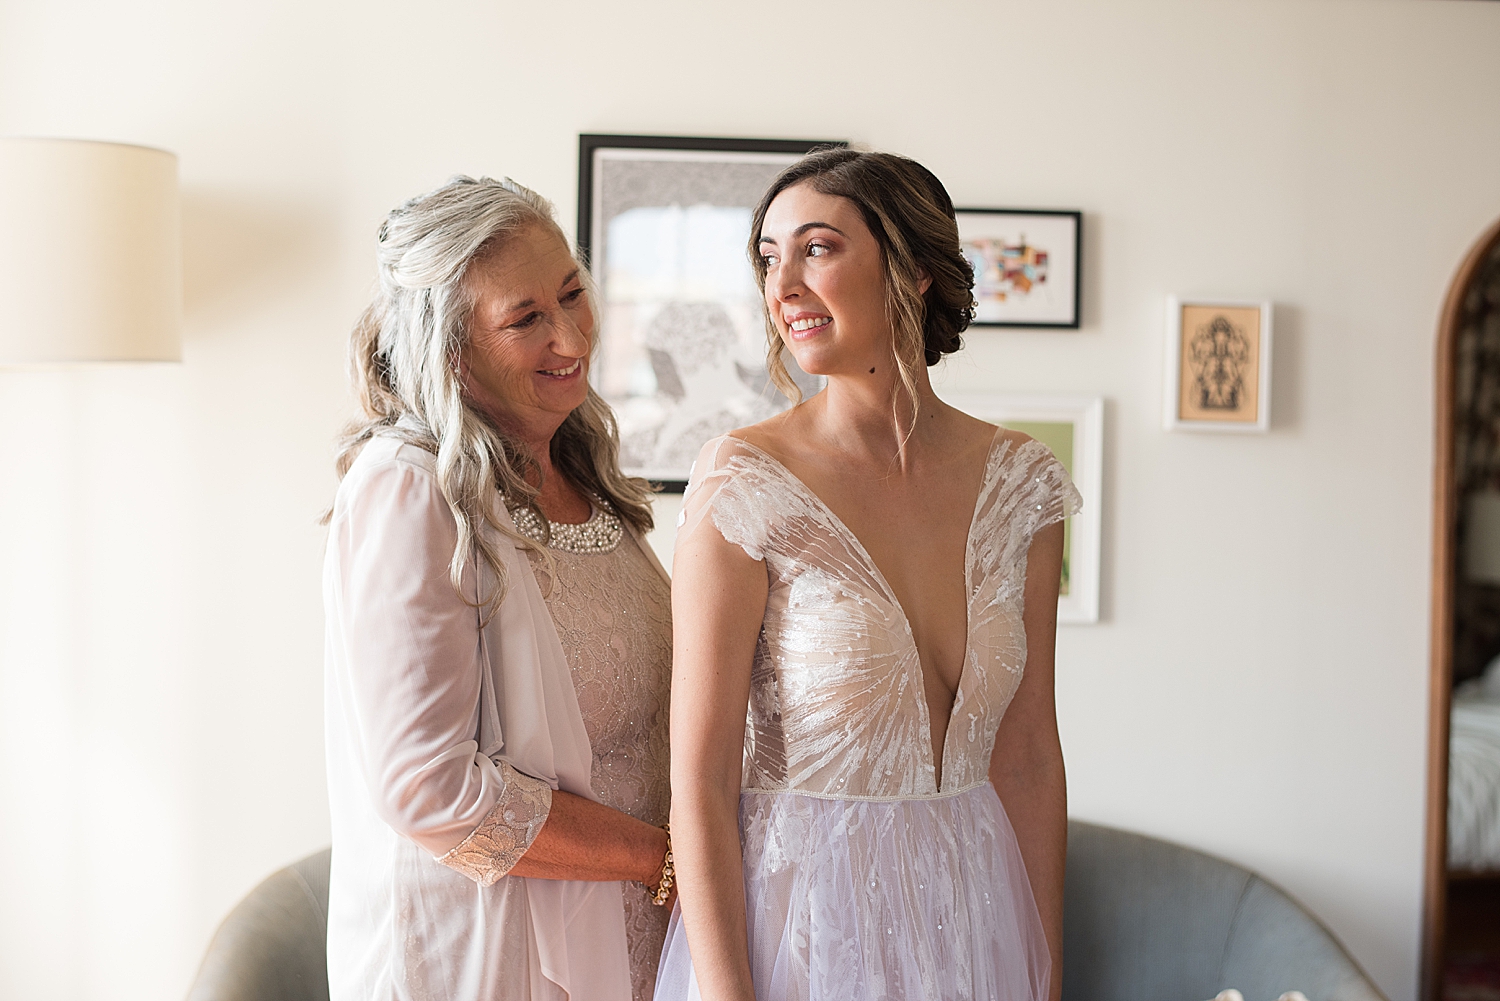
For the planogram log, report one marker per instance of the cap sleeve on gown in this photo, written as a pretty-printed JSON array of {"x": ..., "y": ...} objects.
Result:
[
  {"x": 1048, "y": 492},
  {"x": 1026, "y": 490},
  {"x": 729, "y": 489}
]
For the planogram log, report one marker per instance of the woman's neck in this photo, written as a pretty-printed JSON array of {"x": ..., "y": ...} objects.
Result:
[{"x": 557, "y": 497}]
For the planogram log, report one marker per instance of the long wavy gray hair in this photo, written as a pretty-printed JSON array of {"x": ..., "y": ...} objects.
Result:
[{"x": 404, "y": 356}]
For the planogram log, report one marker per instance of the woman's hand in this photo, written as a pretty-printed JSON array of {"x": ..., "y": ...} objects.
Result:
[{"x": 718, "y": 602}]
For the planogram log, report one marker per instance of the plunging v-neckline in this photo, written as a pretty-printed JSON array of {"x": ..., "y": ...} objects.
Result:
[{"x": 937, "y": 757}]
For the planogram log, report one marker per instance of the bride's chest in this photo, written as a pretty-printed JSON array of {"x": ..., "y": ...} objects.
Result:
[{"x": 835, "y": 646}]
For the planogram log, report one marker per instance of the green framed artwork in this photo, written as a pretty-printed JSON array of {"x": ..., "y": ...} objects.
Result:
[{"x": 1073, "y": 428}]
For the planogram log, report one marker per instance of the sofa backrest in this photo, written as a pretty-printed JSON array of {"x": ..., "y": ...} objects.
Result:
[{"x": 1147, "y": 920}]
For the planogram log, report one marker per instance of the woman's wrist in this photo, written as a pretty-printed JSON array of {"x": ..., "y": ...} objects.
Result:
[{"x": 661, "y": 882}]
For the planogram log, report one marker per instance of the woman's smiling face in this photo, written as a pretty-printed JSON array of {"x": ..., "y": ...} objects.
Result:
[
  {"x": 825, "y": 283},
  {"x": 526, "y": 362}
]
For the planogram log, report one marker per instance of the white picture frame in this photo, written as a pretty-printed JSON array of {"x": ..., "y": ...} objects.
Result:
[
  {"x": 1216, "y": 379},
  {"x": 1083, "y": 457}
]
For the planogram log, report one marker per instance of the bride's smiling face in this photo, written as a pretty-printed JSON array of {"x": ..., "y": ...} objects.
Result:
[{"x": 825, "y": 283}]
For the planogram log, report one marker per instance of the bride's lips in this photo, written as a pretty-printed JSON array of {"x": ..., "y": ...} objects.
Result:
[{"x": 802, "y": 326}]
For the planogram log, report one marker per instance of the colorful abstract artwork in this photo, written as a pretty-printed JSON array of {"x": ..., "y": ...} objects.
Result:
[{"x": 1026, "y": 267}]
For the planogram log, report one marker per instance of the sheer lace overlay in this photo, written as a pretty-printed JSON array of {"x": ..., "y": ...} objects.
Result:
[
  {"x": 864, "y": 877},
  {"x": 837, "y": 705},
  {"x": 613, "y": 614},
  {"x": 500, "y": 840}
]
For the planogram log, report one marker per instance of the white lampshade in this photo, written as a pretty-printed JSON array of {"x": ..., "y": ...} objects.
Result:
[{"x": 90, "y": 253}]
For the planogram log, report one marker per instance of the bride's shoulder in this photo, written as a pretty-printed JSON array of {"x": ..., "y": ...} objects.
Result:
[
  {"x": 769, "y": 437},
  {"x": 744, "y": 491},
  {"x": 719, "y": 455},
  {"x": 973, "y": 441},
  {"x": 757, "y": 447},
  {"x": 731, "y": 463},
  {"x": 1002, "y": 443}
]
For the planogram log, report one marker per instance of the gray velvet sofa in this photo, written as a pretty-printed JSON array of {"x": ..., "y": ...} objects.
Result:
[{"x": 1146, "y": 920}]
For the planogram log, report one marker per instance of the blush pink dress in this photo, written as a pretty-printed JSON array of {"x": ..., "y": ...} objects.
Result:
[{"x": 865, "y": 878}]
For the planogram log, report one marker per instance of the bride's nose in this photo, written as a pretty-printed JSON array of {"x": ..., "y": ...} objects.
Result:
[{"x": 785, "y": 283}]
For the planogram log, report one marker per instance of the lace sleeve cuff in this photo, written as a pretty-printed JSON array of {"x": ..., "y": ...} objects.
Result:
[{"x": 500, "y": 840}]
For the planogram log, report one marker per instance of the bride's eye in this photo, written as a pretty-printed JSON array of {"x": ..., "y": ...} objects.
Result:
[{"x": 817, "y": 249}]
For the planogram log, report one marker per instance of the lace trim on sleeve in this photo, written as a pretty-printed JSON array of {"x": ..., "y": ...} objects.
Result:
[
  {"x": 726, "y": 489},
  {"x": 500, "y": 840}
]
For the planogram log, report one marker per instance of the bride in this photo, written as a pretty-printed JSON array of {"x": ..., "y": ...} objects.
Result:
[{"x": 863, "y": 587}]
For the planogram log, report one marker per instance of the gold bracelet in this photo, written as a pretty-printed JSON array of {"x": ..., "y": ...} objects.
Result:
[{"x": 668, "y": 873}]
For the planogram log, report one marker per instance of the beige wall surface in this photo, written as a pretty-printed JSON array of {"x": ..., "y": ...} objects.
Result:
[{"x": 1257, "y": 685}]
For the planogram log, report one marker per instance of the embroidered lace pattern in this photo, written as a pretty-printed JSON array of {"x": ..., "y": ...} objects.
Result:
[
  {"x": 863, "y": 876},
  {"x": 836, "y": 703},
  {"x": 613, "y": 614},
  {"x": 500, "y": 840}
]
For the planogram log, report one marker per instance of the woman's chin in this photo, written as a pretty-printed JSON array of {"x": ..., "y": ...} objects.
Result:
[
  {"x": 829, "y": 365},
  {"x": 564, "y": 395},
  {"x": 816, "y": 362}
]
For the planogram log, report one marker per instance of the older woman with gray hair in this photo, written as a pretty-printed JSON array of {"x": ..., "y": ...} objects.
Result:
[{"x": 498, "y": 633}]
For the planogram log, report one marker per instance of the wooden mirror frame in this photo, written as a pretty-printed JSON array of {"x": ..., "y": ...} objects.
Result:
[{"x": 1444, "y": 567}]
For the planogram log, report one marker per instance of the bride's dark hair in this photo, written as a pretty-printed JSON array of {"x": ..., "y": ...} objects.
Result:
[{"x": 910, "y": 214}]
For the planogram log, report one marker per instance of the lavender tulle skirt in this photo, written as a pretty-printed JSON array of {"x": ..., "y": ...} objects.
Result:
[{"x": 853, "y": 900}]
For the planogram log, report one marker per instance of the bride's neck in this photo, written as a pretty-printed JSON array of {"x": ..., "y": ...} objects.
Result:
[{"x": 873, "y": 416}]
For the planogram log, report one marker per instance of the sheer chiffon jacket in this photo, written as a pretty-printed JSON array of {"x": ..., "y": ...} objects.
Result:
[
  {"x": 869, "y": 872},
  {"x": 445, "y": 741}
]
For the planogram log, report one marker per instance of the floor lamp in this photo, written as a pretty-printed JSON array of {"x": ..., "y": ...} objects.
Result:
[{"x": 90, "y": 253}]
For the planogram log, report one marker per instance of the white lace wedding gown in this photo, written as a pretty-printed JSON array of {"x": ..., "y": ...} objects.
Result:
[{"x": 865, "y": 879}]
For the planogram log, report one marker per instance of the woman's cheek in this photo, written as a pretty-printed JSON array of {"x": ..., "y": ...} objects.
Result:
[{"x": 583, "y": 317}]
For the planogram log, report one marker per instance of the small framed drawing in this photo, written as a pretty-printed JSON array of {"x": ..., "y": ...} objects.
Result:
[
  {"x": 1026, "y": 265},
  {"x": 664, "y": 222},
  {"x": 1073, "y": 427},
  {"x": 1218, "y": 374}
]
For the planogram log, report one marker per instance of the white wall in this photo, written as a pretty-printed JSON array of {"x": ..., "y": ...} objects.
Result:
[{"x": 1257, "y": 686}]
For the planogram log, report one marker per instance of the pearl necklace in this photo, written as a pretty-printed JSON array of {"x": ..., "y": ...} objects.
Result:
[{"x": 600, "y": 534}]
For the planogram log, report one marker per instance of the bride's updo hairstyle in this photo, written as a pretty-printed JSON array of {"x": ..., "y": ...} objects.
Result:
[{"x": 908, "y": 210}]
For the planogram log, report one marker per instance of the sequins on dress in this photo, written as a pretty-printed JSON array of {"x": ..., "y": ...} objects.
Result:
[
  {"x": 612, "y": 610},
  {"x": 864, "y": 877}
]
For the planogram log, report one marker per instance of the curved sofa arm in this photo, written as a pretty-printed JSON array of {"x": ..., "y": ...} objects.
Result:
[
  {"x": 272, "y": 946},
  {"x": 1276, "y": 946}
]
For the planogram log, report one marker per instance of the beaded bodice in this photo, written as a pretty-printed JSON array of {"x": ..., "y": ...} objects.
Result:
[
  {"x": 612, "y": 611},
  {"x": 837, "y": 707},
  {"x": 600, "y": 534}
]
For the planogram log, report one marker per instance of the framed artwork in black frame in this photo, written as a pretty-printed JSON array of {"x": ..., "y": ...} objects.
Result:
[
  {"x": 1027, "y": 265},
  {"x": 663, "y": 222}
]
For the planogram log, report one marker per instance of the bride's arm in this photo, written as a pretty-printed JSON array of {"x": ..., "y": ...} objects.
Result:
[
  {"x": 1027, "y": 766},
  {"x": 718, "y": 602}
]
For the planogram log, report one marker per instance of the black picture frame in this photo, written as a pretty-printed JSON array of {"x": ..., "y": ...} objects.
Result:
[
  {"x": 627, "y": 328},
  {"x": 1062, "y": 308},
  {"x": 588, "y": 142}
]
